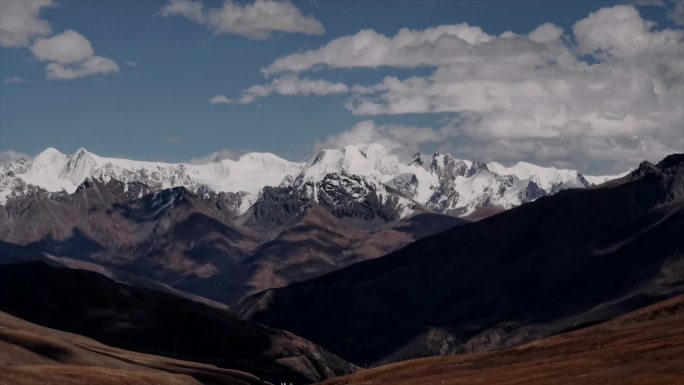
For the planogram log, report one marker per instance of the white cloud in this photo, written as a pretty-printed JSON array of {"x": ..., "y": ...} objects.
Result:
[
  {"x": 398, "y": 138},
  {"x": 95, "y": 65},
  {"x": 620, "y": 32},
  {"x": 66, "y": 48},
  {"x": 20, "y": 22},
  {"x": 676, "y": 14},
  {"x": 546, "y": 33},
  {"x": 220, "y": 99},
  {"x": 191, "y": 10},
  {"x": 257, "y": 20},
  {"x": 71, "y": 56},
  {"x": 408, "y": 48},
  {"x": 13, "y": 80},
  {"x": 532, "y": 97},
  {"x": 291, "y": 85}
]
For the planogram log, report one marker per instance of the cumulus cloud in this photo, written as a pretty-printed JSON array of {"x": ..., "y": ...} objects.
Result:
[
  {"x": 620, "y": 32},
  {"x": 257, "y": 20},
  {"x": 20, "y": 22},
  {"x": 66, "y": 48},
  {"x": 546, "y": 33},
  {"x": 398, "y": 138},
  {"x": 367, "y": 48},
  {"x": 95, "y": 65},
  {"x": 191, "y": 10},
  {"x": 71, "y": 56},
  {"x": 291, "y": 85},
  {"x": 220, "y": 99},
  {"x": 609, "y": 92}
]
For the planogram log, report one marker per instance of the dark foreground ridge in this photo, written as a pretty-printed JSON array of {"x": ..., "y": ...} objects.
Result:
[
  {"x": 645, "y": 347},
  {"x": 566, "y": 261},
  {"x": 36, "y": 355},
  {"x": 142, "y": 320}
]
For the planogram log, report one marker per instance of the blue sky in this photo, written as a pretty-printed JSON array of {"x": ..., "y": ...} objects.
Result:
[{"x": 156, "y": 105}]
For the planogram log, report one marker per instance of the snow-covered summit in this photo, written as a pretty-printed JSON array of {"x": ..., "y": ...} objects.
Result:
[
  {"x": 54, "y": 171},
  {"x": 550, "y": 179},
  {"x": 371, "y": 161},
  {"x": 445, "y": 183}
]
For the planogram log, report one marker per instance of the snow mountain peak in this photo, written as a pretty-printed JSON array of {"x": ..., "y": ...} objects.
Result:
[{"x": 346, "y": 179}]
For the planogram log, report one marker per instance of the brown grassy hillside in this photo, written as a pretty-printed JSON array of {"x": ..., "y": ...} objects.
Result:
[
  {"x": 645, "y": 347},
  {"x": 35, "y": 355}
]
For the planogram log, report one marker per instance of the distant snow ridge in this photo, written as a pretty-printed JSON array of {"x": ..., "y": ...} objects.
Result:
[
  {"x": 336, "y": 176},
  {"x": 446, "y": 185},
  {"x": 600, "y": 179},
  {"x": 53, "y": 171}
]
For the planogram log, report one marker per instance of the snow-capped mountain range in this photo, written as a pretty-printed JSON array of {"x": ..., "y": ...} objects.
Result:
[{"x": 350, "y": 175}]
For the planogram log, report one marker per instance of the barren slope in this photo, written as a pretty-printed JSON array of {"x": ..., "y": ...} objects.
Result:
[
  {"x": 32, "y": 354},
  {"x": 158, "y": 323},
  {"x": 645, "y": 347}
]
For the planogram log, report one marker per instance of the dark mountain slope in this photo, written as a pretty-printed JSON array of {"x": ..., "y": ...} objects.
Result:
[
  {"x": 193, "y": 241},
  {"x": 645, "y": 347},
  {"x": 142, "y": 320},
  {"x": 35, "y": 355},
  {"x": 572, "y": 259},
  {"x": 321, "y": 242}
]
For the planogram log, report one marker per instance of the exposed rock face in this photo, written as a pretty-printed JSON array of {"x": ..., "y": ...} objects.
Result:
[
  {"x": 353, "y": 196},
  {"x": 279, "y": 206},
  {"x": 346, "y": 196}
]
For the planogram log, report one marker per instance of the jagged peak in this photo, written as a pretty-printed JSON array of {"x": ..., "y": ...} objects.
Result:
[
  {"x": 672, "y": 160},
  {"x": 417, "y": 160},
  {"x": 365, "y": 150},
  {"x": 440, "y": 159},
  {"x": 80, "y": 152},
  {"x": 87, "y": 184},
  {"x": 475, "y": 168},
  {"x": 645, "y": 167}
]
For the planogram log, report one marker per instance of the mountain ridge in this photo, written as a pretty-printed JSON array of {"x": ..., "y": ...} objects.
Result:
[
  {"x": 445, "y": 185},
  {"x": 500, "y": 281}
]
